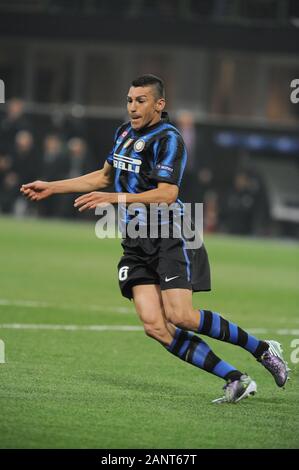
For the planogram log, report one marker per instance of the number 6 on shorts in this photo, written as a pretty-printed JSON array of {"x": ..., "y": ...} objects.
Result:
[{"x": 123, "y": 273}]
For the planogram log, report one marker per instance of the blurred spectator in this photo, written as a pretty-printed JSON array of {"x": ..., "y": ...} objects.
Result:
[
  {"x": 224, "y": 89},
  {"x": 5, "y": 166},
  {"x": 78, "y": 165},
  {"x": 70, "y": 124},
  {"x": 204, "y": 183},
  {"x": 207, "y": 194},
  {"x": 13, "y": 121},
  {"x": 261, "y": 223},
  {"x": 240, "y": 206},
  {"x": 17, "y": 168},
  {"x": 186, "y": 125},
  {"x": 54, "y": 162},
  {"x": 278, "y": 107},
  {"x": 54, "y": 166},
  {"x": 7, "y": 184},
  {"x": 25, "y": 162},
  {"x": 9, "y": 192},
  {"x": 78, "y": 157},
  {"x": 211, "y": 212}
]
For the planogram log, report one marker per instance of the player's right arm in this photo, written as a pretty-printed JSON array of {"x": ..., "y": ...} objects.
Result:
[{"x": 38, "y": 190}]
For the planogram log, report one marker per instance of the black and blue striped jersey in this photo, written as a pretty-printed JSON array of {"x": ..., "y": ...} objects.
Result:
[
  {"x": 156, "y": 249},
  {"x": 143, "y": 158}
]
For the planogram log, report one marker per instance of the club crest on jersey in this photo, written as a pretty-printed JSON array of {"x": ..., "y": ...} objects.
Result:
[
  {"x": 126, "y": 163},
  {"x": 139, "y": 145}
]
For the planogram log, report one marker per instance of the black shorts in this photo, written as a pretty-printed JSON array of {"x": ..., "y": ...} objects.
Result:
[{"x": 165, "y": 262}]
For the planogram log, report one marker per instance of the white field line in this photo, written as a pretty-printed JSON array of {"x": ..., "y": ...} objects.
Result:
[
  {"x": 280, "y": 331},
  {"x": 39, "y": 304},
  {"x": 34, "y": 326},
  {"x": 100, "y": 308},
  {"x": 29, "y": 326},
  {"x": 286, "y": 320},
  {"x": 94, "y": 308}
]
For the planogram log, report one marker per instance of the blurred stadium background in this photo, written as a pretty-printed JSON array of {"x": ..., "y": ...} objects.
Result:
[{"x": 228, "y": 67}]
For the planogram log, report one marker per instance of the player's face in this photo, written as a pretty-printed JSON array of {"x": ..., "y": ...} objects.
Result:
[{"x": 144, "y": 107}]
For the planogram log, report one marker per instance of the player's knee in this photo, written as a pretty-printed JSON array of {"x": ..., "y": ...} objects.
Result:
[
  {"x": 154, "y": 330},
  {"x": 179, "y": 317}
]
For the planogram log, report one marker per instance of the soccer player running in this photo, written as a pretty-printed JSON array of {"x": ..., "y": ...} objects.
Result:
[{"x": 146, "y": 164}]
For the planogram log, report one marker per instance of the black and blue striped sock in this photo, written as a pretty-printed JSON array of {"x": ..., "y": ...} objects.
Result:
[
  {"x": 190, "y": 348},
  {"x": 215, "y": 326}
]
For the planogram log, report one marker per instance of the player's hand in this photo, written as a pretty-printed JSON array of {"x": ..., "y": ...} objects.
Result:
[
  {"x": 94, "y": 199},
  {"x": 37, "y": 190}
]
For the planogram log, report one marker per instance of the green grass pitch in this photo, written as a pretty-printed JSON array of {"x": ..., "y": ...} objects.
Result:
[{"x": 82, "y": 388}]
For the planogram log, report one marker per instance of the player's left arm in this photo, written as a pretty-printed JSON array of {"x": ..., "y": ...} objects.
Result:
[{"x": 165, "y": 192}]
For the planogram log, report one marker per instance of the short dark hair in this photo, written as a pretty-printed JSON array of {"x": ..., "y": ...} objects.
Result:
[{"x": 151, "y": 80}]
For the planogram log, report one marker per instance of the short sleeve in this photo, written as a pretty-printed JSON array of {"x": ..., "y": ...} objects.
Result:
[
  {"x": 169, "y": 159},
  {"x": 109, "y": 158}
]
